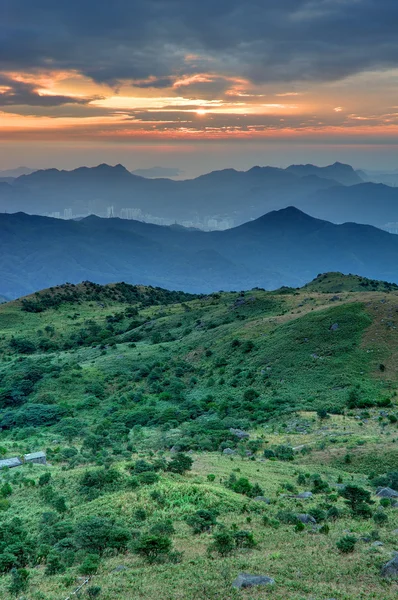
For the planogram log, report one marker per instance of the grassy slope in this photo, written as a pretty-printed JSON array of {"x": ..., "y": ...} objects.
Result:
[{"x": 287, "y": 330}]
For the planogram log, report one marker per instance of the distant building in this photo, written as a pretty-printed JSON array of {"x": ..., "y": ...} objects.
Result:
[
  {"x": 10, "y": 462},
  {"x": 68, "y": 213},
  {"x": 36, "y": 457},
  {"x": 110, "y": 212}
]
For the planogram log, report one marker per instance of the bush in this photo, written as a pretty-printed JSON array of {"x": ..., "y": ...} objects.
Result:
[
  {"x": 153, "y": 547},
  {"x": 54, "y": 564},
  {"x": 223, "y": 542},
  {"x": 148, "y": 478},
  {"x": 19, "y": 581},
  {"x": 45, "y": 478},
  {"x": 163, "y": 528},
  {"x": 180, "y": 464},
  {"x": 380, "y": 518},
  {"x": 346, "y": 544},
  {"x": 93, "y": 591},
  {"x": 202, "y": 520},
  {"x": 7, "y": 561},
  {"x": 90, "y": 565},
  {"x": 244, "y": 539}
]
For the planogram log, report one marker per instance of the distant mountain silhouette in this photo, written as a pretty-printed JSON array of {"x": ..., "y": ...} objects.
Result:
[
  {"x": 335, "y": 193},
  {"x": 285, "y": 247},
  {"x": 340, "y": 172},
  {"x": 13, "y": 173}
]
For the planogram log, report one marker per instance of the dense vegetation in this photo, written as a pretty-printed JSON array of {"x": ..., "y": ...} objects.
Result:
[{"x": 181, "y": 433}]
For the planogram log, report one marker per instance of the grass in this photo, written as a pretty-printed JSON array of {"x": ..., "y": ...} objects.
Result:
[{"x": 140, "y": 379}]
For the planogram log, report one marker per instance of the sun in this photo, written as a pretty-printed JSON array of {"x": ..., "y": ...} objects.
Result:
[{"x": 201, "y": 112}]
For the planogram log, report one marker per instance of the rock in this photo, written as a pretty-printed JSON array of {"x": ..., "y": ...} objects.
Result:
[
  {"x": 386, "y": 492},
  {"x": 395, "y": 532},
  {"x": 262, "y": 499},
  {"x": 390, "y": 569},
  {"x": 304, "y": 495},
  {"x": 119, "y": 568},
  {"x": 306, "y": 519},
  {"x": 228, "y": 451},
  {"x": 394, "y": 505},
  {"x": 245, "y": 580},
  {"x": 240, "y": 433},
  {"x": 334, "y": 327},
  {"x": 377, "y": 544}
]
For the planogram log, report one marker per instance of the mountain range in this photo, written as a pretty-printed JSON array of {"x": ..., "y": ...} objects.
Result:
[
  {"x": 228, "y": 197},
  {"x": 286, "y": 247}
]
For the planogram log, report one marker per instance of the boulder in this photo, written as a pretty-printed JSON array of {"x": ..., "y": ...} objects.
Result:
[
  {"x": 377, "y": 544},
  {"x": 304, "y": 495},
  {"x": 306, "y": 519},
  {"x": 240, "y": 433},
  {"x": 386, "y": 492},
  {"x": 390, "y": 569},
  {"x": 245, "y": 580},
  {"x": 334, "y": 327},
  {"x": 228, "y": 451},
  {"x": 262, "y": 499}
]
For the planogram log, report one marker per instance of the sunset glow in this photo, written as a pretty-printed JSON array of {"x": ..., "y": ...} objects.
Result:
[{"x": 98, "y": 80}]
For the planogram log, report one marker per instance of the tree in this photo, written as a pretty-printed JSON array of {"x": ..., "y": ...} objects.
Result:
[
  {"x": 93, "y": 534},
  {"x": 358, "y": 499},
  {"x": 202, "y": 520},
  {"x": 153, "y": 547},
  {"x": 180, "y": 463}
]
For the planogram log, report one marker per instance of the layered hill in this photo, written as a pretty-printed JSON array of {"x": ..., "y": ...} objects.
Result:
[
  {"x": 189, "y": 439},
  {"x": 237, "y": 195},
  {"x": 285, "y": 247}
]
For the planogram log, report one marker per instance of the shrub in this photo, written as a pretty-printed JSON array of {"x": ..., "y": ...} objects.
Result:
[
  {"x": 148, "y": 478},
  {"x": 93, "y": 591},
  {"x": 90, "y": 564},
  {"x": 223, "y": 542},
  {"x": 211, "y": 477},
  {"x": 299, "y": 527},
  {"x": 346, "y": 544},
  {"x": 333, "y": 513},
  {"x": 180, "y": 463},
  {"x": 7, "y": 561},
  {"x": 19, "y": 581},
  {"x": 287, "y": 517},
  {"x": 163, "y": 528},
  {"x": 202, "y": 520},
  {"x": 244, "y": 539},
  {"x": 45, "y": 478},
  {"x": 5, "y": 490},
  {"x": 153, "y": 547},
  {"x": 380, "y": 518},
  {"x": 54, "y": 564},
  {"x": 324, "y": 529}
]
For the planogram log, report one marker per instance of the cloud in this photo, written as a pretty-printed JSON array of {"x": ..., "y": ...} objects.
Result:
[
  {"x": 14, "y": 92},
  {"x": 151, "y": 41}
]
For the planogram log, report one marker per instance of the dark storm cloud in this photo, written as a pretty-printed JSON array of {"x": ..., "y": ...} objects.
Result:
[
  {"x": 14, "y": 92},
  {"x": 265, "y": 40}
]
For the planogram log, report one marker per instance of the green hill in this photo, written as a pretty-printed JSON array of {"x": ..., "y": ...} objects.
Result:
[
  {"x": 337, "y": 282},
  {"x": 123, "y": 387}
]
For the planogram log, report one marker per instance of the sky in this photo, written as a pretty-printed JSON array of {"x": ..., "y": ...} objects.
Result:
[{"x": 198, "y": 85}]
